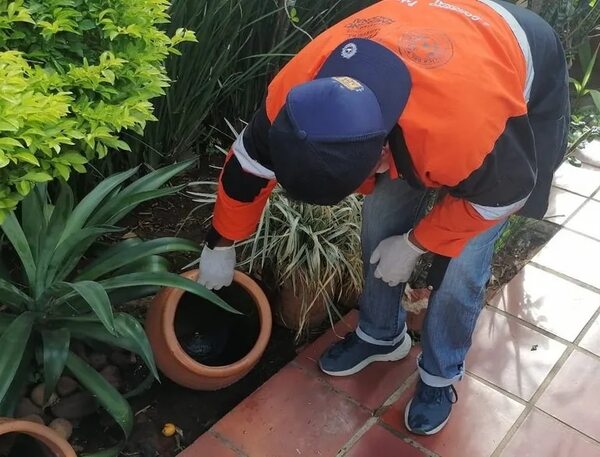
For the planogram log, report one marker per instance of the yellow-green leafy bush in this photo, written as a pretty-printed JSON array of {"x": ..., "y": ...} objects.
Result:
[{"x": 73, "y": 75}]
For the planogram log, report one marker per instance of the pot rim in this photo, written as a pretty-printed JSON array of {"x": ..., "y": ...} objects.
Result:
[
  {"x": 55, "y": 443},
  {"x": 172, "y": 299}
]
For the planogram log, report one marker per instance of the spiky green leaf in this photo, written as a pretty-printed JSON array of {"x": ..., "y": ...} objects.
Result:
[
  {"x": 165, "y": 279},
  {"x": 13, "y": 342},
  {"x": 90, "y": 203},
  {"x": 70, "y": 251},
  {"x": 122, "y": 256},
  {"x": 156, "y": 178},
  {"x": 32, "y": 216},
  {"x": 50, "y": 237},
  {"x": 22, "y": 377},
  {"x": 129, "y": 335},
  {"x": 96, "y": 297},
  {"x": 120, "y": 207},
  {"x": 56, "y": 349},
  {"x": 11, "y": 296},
  {"x": 16, "y": 236}
]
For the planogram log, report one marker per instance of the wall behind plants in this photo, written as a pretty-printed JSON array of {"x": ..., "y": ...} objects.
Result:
[{"x": 240, "y": 45}]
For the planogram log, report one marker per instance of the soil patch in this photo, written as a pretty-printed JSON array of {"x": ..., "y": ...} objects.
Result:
[
  {"x": 518, "y": 249},
  {"x": 206, "y": 332},
  {"x": 195, "y": 412}
]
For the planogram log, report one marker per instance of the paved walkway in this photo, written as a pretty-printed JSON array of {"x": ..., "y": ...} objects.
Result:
[{"x": 533, "y": 375}]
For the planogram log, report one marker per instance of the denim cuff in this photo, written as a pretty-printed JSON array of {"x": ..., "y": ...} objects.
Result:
[
  {"x": 369, "y": 339},
  {"x": 438, "y": 381}
]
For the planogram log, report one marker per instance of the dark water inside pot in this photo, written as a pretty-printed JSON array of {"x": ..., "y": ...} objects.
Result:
[
  {"x": 215, "y": 337},
  {"x": 20, "y": 445}
]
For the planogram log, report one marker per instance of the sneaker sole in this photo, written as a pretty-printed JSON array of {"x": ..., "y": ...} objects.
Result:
[
  {"x": 420, "y": 432},
  {"x": 398, "y": 354}
]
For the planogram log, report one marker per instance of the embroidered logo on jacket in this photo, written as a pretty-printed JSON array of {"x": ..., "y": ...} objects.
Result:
[
  {"x": 428, "y": 48},
  {"x": 458, "y": 9},
  {"x": 349, "y": 51},
  {"x": 367, "y": 27}
]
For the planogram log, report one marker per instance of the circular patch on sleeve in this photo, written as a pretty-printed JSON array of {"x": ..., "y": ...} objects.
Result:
[{"x": 428, "y": 48}]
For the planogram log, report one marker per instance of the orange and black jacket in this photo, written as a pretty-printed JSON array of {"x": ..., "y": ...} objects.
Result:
[{"x": 485, "y": 119}]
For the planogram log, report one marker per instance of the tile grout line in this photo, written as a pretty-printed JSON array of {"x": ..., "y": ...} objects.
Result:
[
  {"x": 568, "y": 219},
  {"x": 586, "y": 328},
  {"x": 592, "y": 193},
  {"x": 531, "y": 326},
  {"x": 324, "y": 383},
  {"x": 228, "y": 443},
  {"x": 571, "y": 347},
  {"x": 569, "y": 229},
  {"x": 408, "y": 440},
  {"x": 532, "y": 402},
  {"x": 371, "y": 421},
  {"x": 498, "y": 389},
  {"x": 575, "y": 343},
  {"x": 577, "y": 232},
  {"x": 541, "y": 411},
  {"x": 570, "y": 344},
  {"x": 575, "y": 281},
  {"x": 395, "y": 396},
  {"x": 575, "y": 211},
  {"x": 375, "y": 419}
]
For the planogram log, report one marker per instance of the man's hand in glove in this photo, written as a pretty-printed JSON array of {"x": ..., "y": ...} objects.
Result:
[
  {"x": 216, "y": 267},
  {"x": 396, "y": 258}
]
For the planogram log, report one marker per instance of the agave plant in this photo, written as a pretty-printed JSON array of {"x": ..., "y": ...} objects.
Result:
[
  {"x": 63, "y": 290},
  {"x": 316, "y": 249}
]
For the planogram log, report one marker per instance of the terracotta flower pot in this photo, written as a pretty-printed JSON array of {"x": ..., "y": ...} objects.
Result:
[
  {"x": 289, "y": 309},
  {"x": 55, "y": 444},
  {"x": 176, "y": 364}
]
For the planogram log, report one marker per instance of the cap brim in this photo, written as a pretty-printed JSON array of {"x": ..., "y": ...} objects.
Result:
[{"x": 378, "y": 68}]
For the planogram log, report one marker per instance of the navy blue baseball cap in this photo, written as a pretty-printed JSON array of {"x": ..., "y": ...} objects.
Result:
[{"x": 328, "y": 137}]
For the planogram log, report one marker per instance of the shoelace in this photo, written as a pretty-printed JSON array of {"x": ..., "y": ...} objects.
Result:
[
  {"x": 340, "y": 348},
  {"x": 435, "y": 394}
]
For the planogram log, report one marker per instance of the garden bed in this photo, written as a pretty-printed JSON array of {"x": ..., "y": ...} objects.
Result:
[
  {"x": 191, "y": 411},
  {"x": 195, "y": 412}
]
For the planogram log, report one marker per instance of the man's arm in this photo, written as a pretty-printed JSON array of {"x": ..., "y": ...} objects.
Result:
[
  {"x": 244, "y": 187},
  {"x": 245, "y": 184}
]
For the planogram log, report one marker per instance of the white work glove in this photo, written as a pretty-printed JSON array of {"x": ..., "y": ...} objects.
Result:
[
  {"x": 216, "y": 267},
  {"x": 397, "y": 258}
]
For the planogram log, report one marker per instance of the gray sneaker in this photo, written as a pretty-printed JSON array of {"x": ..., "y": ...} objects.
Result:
[{"x": 352, "y": 354}]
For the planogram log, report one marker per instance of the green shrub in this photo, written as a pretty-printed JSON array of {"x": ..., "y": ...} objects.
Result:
[
  {"x": 52, "y": 297},
  {"x": 574, "y": 20},
  {"x": 73, "y": 75},
  {"x": 241, "y": 43}
]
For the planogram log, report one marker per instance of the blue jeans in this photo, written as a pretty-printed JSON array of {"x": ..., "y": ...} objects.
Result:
[{"x": 393, "y": 209}]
